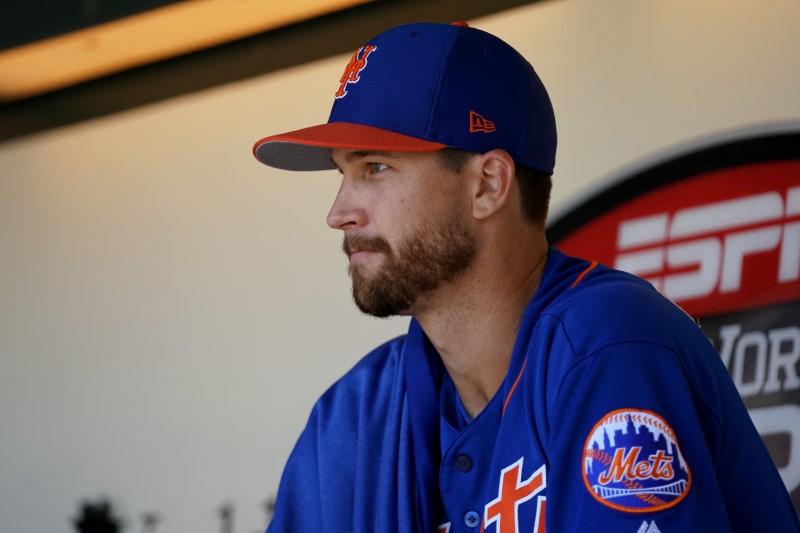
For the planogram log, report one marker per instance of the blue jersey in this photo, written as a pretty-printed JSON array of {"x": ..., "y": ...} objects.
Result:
[{"x": 616, "y": 414}]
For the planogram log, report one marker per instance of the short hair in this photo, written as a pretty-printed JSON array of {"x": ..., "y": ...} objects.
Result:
[{"x": 534, "y": 185}]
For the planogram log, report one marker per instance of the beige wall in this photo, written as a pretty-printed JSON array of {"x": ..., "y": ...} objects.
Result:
[{"x": 170, "y": 309}]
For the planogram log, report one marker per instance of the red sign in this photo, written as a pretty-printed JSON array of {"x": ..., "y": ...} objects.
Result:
[{"x": 718, "y": 241}]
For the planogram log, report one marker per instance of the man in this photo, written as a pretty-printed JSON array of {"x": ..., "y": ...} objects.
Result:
[{"x": 533, "y": 389}]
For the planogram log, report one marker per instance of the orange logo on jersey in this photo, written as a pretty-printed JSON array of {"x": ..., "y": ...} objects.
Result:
[
  {"x": 512, "y": 491},
  {"x": 632, "y": 462},
  {"x": 480, "y": 123},
  {"x": 354, "y": 68}
]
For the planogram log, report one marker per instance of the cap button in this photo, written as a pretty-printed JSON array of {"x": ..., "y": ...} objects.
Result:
[{"x": 460, "y": 23}]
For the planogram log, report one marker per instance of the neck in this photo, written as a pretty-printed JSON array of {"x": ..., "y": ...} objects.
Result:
[{"x": 473, "y": 322}]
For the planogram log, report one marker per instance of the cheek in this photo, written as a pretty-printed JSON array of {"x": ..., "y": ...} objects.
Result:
[
  {"x": 389, "y": 214},
  {"x": 449, "y": 200},
  {"x": 419, "y": 201},
  {"x": 396, "y": 207},
  {"x": 417, "y": 210}
]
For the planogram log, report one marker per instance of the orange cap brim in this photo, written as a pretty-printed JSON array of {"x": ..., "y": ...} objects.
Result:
[{"x": 310, "y": 148}]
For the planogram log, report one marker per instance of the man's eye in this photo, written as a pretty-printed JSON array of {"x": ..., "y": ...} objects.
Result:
[{"x": 377, "y": 167}]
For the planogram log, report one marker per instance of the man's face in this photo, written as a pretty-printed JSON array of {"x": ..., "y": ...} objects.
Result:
[{"x": 406, "y": 228}]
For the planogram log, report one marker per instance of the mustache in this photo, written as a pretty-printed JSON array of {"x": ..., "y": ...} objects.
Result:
[{"x": 364, "y": 242}]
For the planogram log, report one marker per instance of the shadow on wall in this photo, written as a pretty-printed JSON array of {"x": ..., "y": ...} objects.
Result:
[{"x": 100, "y": 517}]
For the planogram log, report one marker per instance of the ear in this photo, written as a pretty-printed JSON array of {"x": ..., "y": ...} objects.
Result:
[{"x": 494, "y": 180}]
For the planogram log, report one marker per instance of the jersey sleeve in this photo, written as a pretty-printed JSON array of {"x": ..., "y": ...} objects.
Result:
[
  {"x": 644, "y": 438},
  {"x": 304, "y": 483},
  {"x": 351, "y": 469}
]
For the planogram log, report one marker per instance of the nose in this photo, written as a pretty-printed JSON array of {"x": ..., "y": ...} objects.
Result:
[{"x": 345, "y": 212}]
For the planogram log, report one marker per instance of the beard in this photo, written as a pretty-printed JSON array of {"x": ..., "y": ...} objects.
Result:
[{"x": 431, "y": 255}]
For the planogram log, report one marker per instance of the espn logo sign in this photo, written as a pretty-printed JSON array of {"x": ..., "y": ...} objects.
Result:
[
  {"x": 701, "y": 251},
  {"x": 721, "y": 240}
]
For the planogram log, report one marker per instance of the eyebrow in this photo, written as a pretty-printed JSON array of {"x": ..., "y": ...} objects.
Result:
[{"x": 360, "y": 154}]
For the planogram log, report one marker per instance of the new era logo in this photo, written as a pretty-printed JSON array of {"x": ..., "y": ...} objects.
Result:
[{"x": 480, "y": 123}]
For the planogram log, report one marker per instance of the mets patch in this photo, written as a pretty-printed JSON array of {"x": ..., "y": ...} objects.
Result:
[{"x": 632, "y": 462}]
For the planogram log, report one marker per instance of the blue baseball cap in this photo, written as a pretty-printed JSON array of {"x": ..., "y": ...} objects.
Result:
[{"x": 426, "y": 86}]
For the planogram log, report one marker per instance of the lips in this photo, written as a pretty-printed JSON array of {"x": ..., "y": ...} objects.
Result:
[
  {"x": 352, "y": 251},
  {"x": 356, "y": 245},
  {"x": 355, "y": 255}
]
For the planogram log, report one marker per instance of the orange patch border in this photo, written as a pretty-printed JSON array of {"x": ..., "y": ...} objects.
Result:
[{"x": 669, "y": 431}]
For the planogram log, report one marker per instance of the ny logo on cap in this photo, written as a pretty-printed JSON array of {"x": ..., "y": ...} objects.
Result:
[{"x": 354, "y": 68}]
